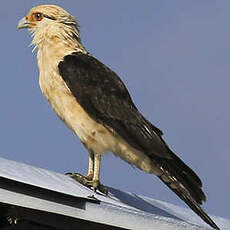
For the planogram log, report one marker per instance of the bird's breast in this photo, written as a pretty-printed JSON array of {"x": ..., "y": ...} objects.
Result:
[{"x": 92, "y": 134}]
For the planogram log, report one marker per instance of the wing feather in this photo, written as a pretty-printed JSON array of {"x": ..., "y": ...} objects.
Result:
[{"x": 105, "y": 98}]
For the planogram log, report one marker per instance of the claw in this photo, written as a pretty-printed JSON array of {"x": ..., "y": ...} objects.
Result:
[
  {"x": 96, "y": 185},
  {"x": 103, "y": 189}
]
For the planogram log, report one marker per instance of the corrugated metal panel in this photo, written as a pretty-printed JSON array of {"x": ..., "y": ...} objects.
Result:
[{"x": 39, "y": 189}]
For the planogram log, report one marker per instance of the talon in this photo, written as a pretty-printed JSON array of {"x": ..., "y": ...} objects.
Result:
[
  {"x": 102, "y": 189},
  {"x": 81, "y": 179},
  {"x": 86, "y": 181}
]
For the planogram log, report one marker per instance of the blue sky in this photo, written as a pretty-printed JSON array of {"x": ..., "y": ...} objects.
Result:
[{"x": 174, "y": 58}]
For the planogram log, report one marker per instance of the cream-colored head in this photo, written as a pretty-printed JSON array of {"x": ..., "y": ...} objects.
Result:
[{"x": 51, "y": 22}]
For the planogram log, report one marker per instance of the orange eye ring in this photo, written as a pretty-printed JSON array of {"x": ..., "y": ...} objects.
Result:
[{"x": 37, "y": 16}]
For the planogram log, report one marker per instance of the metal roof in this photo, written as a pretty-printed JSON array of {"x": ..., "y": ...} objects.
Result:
[{"x": 38, "y": 189}]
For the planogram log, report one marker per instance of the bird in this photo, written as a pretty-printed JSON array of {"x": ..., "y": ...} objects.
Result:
[{"x": 91, "y": 99}]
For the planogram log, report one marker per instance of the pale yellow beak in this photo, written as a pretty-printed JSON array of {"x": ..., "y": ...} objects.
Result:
[{"x": 23, "y": 23}]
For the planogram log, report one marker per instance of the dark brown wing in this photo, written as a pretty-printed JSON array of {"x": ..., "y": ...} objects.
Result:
[{"x": 105, "y": 98}]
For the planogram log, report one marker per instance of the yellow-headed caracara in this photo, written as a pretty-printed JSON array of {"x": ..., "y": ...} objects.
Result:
[{"x": 95, "y": 104}]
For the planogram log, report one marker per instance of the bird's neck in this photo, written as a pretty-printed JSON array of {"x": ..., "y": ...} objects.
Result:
[
  {"x": 55, "y": 42},
  {"x": 52, "y": 50}
]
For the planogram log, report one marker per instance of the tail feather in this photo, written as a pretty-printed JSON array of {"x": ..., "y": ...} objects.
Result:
[
  {"x": 190, "y": 174},
  {"x": 181, "y": 181},
  {"x": 189, "y": 177}
]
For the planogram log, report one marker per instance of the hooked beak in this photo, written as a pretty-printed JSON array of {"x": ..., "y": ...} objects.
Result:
[{"x": 23, "y": 23}]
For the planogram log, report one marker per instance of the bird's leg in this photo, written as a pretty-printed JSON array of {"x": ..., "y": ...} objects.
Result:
[
  {"x": 85, "y": 180},
  {"x": 93, "y": 177},
  {"x": 96, "y": 175},
  {"x": 91, "y": 166}
]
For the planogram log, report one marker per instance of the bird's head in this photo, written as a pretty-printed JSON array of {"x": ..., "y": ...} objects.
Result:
[{"x": 50, "y": 22}]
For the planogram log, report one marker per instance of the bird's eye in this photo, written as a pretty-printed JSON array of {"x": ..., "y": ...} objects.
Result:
[{"x": 37, "y": 16}]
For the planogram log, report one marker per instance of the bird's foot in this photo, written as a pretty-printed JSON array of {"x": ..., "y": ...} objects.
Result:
[{"x": 89, "y": 182}]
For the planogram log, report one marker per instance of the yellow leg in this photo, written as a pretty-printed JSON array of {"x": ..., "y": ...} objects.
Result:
[
  {"x": 91, "y": 166},
  {"x": 93, "y": 177},
  {"x": 97, "y": 165},
  {"x": 96, "y": 176}
]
